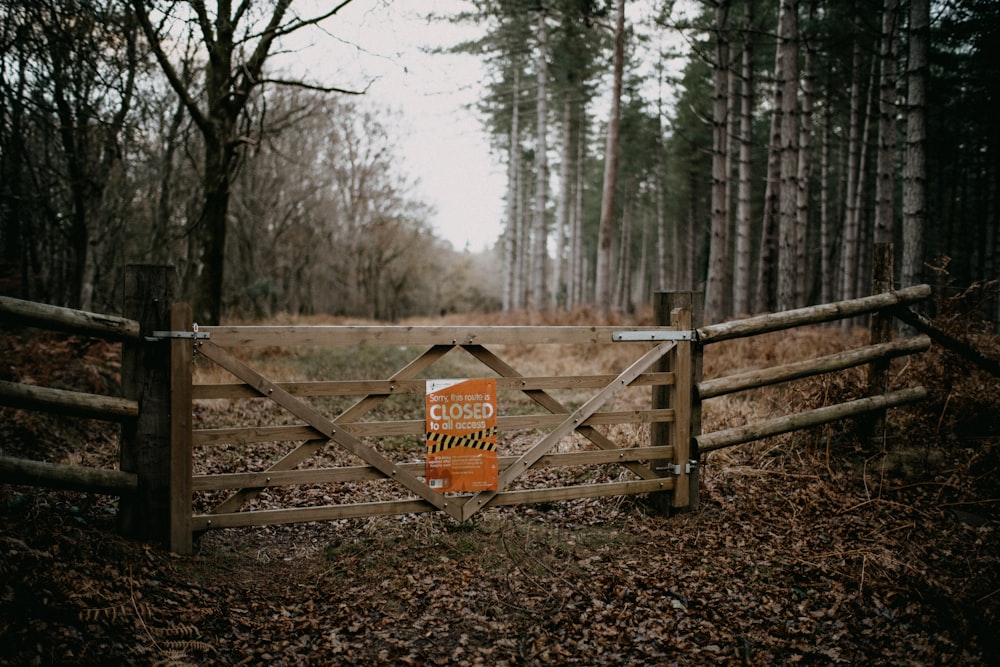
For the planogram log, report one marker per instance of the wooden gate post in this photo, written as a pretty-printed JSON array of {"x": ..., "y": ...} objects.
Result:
[
  {"x": 880, "y": 331},
  {"x": 181, "y": 371},
  {"x": 145, "y": 442},
  {"x": 684, "y": 311}
]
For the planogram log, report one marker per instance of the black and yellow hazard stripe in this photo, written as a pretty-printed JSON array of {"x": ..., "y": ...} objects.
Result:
[{"x": 438, "y": 442}]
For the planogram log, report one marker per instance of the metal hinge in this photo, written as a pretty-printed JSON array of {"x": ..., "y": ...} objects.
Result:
[
  {"x": 162, "y": 335},
  {"x": 675, "y": 468},
  {"x": 634, "y": 336}
]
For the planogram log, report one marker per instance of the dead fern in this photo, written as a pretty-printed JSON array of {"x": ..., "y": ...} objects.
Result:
[
  {"x": 178, "y": 630},
  {"x": 173, "y": 645},
  {"x": 109, "y": 614},
  {"x": 174, "y": 659}
]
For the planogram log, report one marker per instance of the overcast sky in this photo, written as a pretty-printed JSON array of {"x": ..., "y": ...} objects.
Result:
[
  {"x": 381, "y": 44},
  {"x": 442, "y": 141}
]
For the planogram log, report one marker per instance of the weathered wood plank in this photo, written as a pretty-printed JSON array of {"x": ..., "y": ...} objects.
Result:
[
  {"x": 67, "y": 477},
  {"x": 709, "y": 442},
  {"x": 181, "y": 355},
  {"x": 555, "y": 494},
  {"x": 835, "y": 362},
  {"x": 203, "y": 522},
  {"x": 74, "y": 403},
  {"x": 340, "y": 335},
  {"x": 829, "y": 312},
  {"x": 680, "y": 428},
  {"x": 386, "y": 387},
  {"x": 145, "y": 442},
  {"x": 67, "y": 320},
  {"x": 251, "y": 434},
  {"x": 368, "y": 473}
]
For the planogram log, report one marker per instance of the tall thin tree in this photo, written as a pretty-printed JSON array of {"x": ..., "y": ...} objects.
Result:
[
  {"x": 716, "y": 285},
  {"x": 789, "y": 273},
  {"x": 915, "y": 159},
  {"x": 602, "y": 287}
]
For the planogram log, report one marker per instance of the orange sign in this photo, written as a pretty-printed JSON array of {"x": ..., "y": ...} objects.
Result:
[{"x": 462, "y": 435}]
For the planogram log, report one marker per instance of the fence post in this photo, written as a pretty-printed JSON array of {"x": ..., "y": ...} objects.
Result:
[
  {"x": 682, "y": 310},
  {"x": 181, "y": 353},
  {"x": 145, "y": 442},
  {"x": 880, "y": 331}
]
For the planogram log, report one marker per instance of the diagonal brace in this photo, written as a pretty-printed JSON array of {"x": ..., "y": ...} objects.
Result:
[
  {"x": 327, "y": 428},
  {"x": 479, "y": 500}
]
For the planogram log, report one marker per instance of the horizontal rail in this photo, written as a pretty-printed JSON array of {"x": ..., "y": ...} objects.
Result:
[
  {"x": 265, "y": 479},
  {"x": 250, "y": 434},
  {"x": 67, "y": 320},
  {"x": 829, "y": 312},
  {"x": 350, "y": 335},
  {"x": 388, "y": 387},
  {"x": 67, "y": 477},
  {"x": 730, "y": 384},
  {"x": 74, "y": 403},
  {"x": 736, "y": 436},
  {"x": 202, "y": 522}
]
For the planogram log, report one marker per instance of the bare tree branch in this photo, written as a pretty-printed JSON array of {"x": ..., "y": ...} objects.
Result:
[
  {"x": 318, "y": 88},
  {"x": 168, "y": 69}
]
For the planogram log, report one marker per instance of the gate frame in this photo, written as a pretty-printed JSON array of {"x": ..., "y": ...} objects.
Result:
[{"x": 212, "y": 343}]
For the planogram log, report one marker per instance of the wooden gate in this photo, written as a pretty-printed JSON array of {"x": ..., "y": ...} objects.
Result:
[
  {"x": 639, "y": 417},
  {"x": 574, "y": 421}
]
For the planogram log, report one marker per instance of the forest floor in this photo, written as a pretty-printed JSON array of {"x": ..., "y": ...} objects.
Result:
[{"x": 806, "y": 549}]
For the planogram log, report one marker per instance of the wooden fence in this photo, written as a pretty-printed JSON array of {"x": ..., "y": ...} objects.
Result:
[
  {"x": 885, "y": 302},
  {"x": 565, "y": 437}
]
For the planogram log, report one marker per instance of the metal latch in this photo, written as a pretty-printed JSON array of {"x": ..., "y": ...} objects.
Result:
[
  {"x": 161, "y": 335},
  {"x": 633, "y": 336}
]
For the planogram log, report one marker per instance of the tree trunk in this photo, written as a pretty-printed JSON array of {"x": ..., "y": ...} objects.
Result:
[
  {"x": 602, "y": 288},
  {"x": 539, "y": 236},
  {"x": 788, "y": 76},
  {"x": 227, "y": 91},
  {"x": 510, "y": 238},
  {"x": 915, "y": 159},
  {"x": 805, "y": 172},
  {"x": 863, "y": 232},
  {"x": 716, "y": 286},
  {"x": 886, "y": 158},
  {"x": 826, "y": 245},
  {"x": 579, "y": 264},
  {"x": 849, "y": 250},
  {"x": 565, "y": 198},
  {"x": 624, "y": 271},
  {"x": 742, "y": 259},
  {"x": 767, "y": 262}
]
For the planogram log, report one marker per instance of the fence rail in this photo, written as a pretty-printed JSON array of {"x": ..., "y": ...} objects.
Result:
[
  {"x": 70, "y": 403},
  {"x": 820, "y": 314},
  {"x": 885, "y": 303},
  {"x": 68, "y": 320}
]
